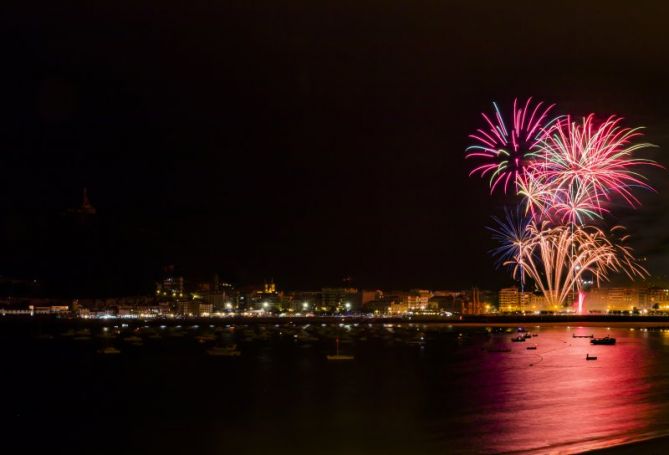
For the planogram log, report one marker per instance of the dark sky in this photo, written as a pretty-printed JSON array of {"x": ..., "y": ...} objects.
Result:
[{"x": 300, "y": 140}]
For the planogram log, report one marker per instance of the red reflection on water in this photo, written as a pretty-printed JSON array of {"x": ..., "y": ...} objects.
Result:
[{"x": 554, "y": 400}]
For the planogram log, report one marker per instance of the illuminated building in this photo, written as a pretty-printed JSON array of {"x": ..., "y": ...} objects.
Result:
[
  {"x": 336, "y": 299},
  {"x": 418, "y": 300},
  {"x": 171, "y": 287},
  {"x": 194, "y": 308},
  {"x": 509, "y": 300},
  {"x": 658, "y": 298},
  {"x": 270, "y": 288},
  {"x": 398, "y": 307},
  {"x": 303, "y": 301},
  {"x": 621, "y": 300},
  {"x": 370, "y": 296}
]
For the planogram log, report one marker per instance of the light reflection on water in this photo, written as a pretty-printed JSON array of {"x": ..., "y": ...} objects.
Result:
[{"x": 554, "y": 400}]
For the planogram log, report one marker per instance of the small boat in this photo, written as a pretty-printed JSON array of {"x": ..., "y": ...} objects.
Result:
[
  {"x": 224, "y": 351},
  {"x": 535, "y": 334},
  {"x": 132, "y": 339},
  {"x": 528, "y": 335},
  {"x": 339, "y": 356},
  {"x": 518, "y": 339},
  {"x": 109, "y": 350},
  {"x": 531, "y": 348},
  {"x": 499, "y": 350},
  {"x": 590, "y": 357},
  {"x": 607, "y": 340},
  {"x": 582, "y": 336},
  {"x": 205, "y": 338}
]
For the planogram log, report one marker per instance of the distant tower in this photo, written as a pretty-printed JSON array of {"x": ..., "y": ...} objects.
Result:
[
  {"x": 86, "y": 206},
  {"x": 270, "y": 288}
]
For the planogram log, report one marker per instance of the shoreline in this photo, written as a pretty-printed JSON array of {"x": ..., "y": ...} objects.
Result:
[
  {"x": 659, "y": 444},
  {"x": 658, "y": 322}
]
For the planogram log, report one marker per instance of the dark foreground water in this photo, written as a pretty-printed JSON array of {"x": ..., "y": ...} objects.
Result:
[{"x": 415, "y": 389}]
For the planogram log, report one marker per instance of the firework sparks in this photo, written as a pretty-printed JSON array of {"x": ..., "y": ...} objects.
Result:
[
  {"x": 504, "y": 152},
  {"x": 594, "y": 160},
  {"x": 514, "y": 237},
  {"x": 565, "y": 173},
  {"x": 557, "y": 257}
]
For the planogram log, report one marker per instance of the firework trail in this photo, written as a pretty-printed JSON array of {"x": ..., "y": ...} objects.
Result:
[{"x": 557, "y": 257}]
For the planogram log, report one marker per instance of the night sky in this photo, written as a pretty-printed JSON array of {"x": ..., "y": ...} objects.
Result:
[{"x": 304, "y": 141}]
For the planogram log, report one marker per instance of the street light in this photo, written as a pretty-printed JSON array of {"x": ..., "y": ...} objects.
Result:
[
  {"x": 348, "y": 306},
  {"x": 228, "y": 306},
  {"x": 265, "y": 305},
  {"x": 305, "y": 306}
]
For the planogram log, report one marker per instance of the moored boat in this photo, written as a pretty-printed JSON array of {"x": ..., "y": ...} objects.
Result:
[
  {"x": 339, "y": 356},
  {"x": 133, "y": 339},
  {"x": 205, "y": 338},
  {"x": 607, "y": 340},
  {"x": 224, "y": 351}
]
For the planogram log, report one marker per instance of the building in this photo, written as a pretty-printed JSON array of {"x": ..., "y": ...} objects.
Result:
[
  {"x": 509, "y": 300},
  {"x": 303, "y": 301},
  {"x": 369, "y": 296},
  {"x": 622, "y": 299},
  {"x": 512, "y": 300},
  {"x": 194, "y": 308},
  {"x": 658, "y": 299},
  {"x": 418, "y": 300},
  {"x": 449, "y": 301},
  {"x": 340, "y": 300},
  {"x": 398, "y": 307},
  {"x": 172, "y": 286},
  {"x": 625, "y": 300}
]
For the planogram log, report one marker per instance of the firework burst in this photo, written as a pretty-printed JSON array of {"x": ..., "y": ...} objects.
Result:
[
  {"x": 503, "y": 152},
  {"x": 589, "y": 159}
]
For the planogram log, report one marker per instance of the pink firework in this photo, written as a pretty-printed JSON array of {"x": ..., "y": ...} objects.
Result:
[
  {"x": 592, "y": 159},
  {"x": 504, "y": 152}
]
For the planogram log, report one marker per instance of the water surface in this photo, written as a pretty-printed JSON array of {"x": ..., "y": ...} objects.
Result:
[{"x": 426, "y": 388}]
